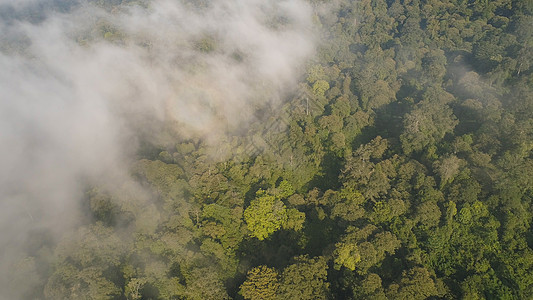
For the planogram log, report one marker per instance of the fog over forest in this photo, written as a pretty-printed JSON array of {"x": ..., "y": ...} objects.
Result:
[
  {"x": 82, "y": 85},
  {"x": 248, "y": 149}
]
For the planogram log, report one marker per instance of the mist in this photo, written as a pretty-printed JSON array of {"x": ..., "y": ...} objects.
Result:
[{"x": 82, "y": 86}]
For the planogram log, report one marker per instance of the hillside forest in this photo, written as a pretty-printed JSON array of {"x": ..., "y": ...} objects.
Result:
[{"x": 399, "y": 166}]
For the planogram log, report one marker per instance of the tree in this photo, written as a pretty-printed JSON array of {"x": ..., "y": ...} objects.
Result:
[
  {"x": 265, "y": 215},
  {"x": 134, "y": 287},
  {"x": 447, "y": 168},
  {"x": 224, "y": 224},
  {"x": 414, "y": 284},
  {"x": 362, "y": 248},
  {"x": 433, "y": 67},
  {"x": 87, "y": 265},
  {"x": 370, "y": 288},
  {"x": 261, "y": 283},
  {"x": 305, "y": 279},
  {"x": 204, "y": 284},
  {"x": 320, "y": 87},
  {"x": 346, "y": 255},
  {"x": 426, "y": 125}
]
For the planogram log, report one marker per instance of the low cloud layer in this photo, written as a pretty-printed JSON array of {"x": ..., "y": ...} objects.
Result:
[{"x": 80, "y": 85}]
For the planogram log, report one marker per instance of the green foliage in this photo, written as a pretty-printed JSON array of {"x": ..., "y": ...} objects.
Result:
[
  {"x": 403, "y": 160},
  {"x": 85, "y": 264},
  {"x": 265, "y": 215},
  {"x": 295, "y": 219},
  {"x": 134, "y": 287},
  {"x": 320, "y": 87},
  {"x": 261, "y": 283},
  {"x": 306, "y": 278},
  {"x": 426, "y": 125},
  {"x": 415, "y": 283},
  {"x": 285, "y": 189},
  {"x": 203, "y": 283},
  {"x": 223, "y": 224},
  {"x": 346, "y": 255},
  {"x": 315, "y": 73}
]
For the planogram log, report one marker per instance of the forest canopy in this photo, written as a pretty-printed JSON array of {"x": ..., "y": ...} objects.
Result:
[{"x": 386, "y": 152}]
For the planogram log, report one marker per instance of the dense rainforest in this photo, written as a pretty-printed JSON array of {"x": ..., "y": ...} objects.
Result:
[{"x": 399, "y": 167}]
